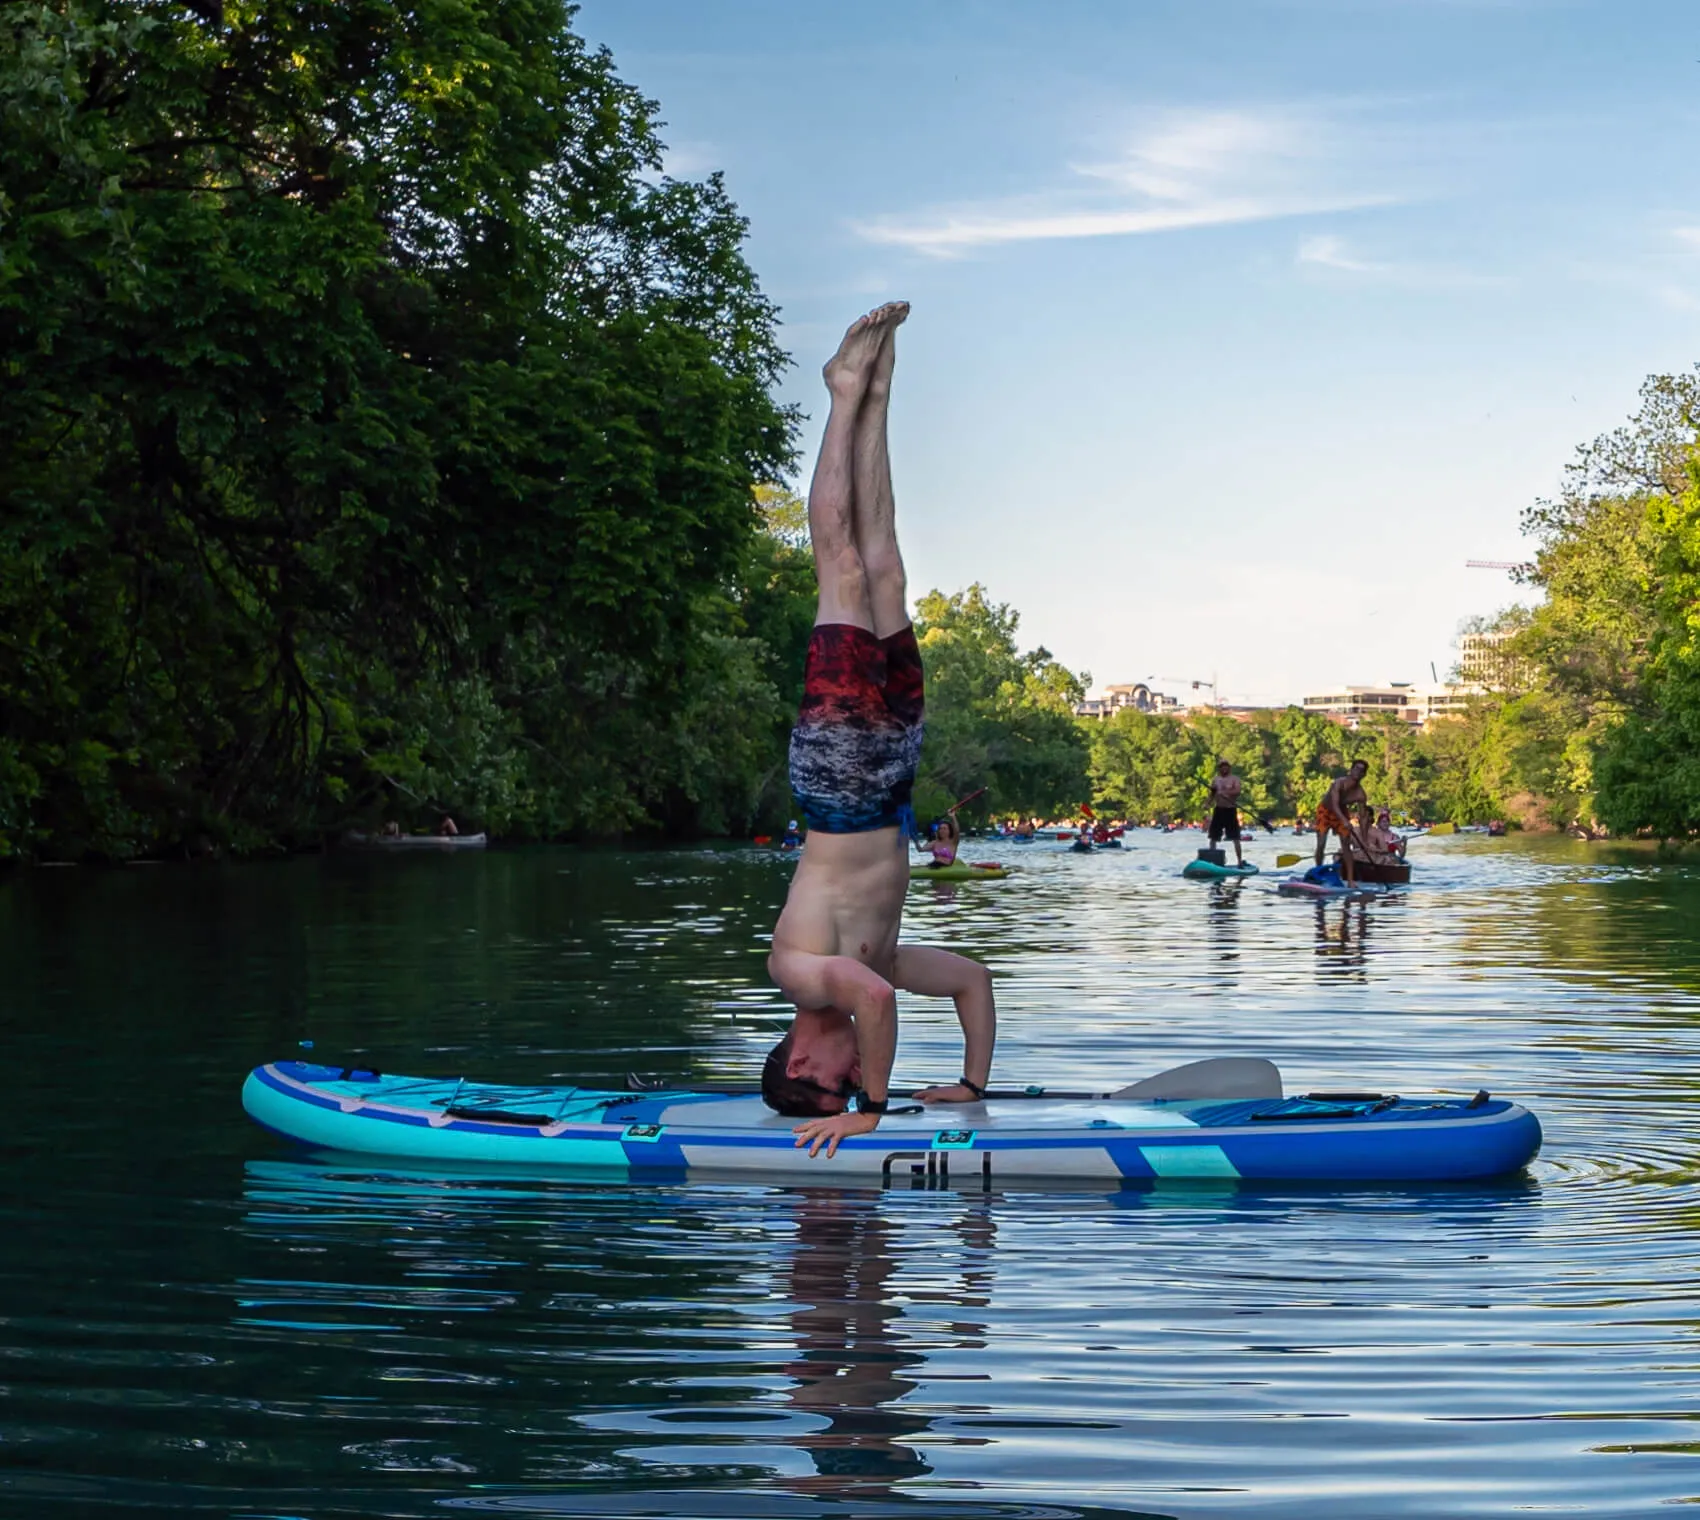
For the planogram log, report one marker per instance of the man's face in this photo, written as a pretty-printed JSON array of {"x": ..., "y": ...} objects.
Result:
[
  {"x": 1223, "y": 769},
  {"x": 830, "y": 1063},
  {"x": 1359, "y": 770}
]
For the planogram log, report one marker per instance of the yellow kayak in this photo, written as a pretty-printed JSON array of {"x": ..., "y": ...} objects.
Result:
[{"x": 960, "y": 870}]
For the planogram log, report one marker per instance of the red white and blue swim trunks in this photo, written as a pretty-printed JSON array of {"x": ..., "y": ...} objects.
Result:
[{"x": 857, "y": 742}]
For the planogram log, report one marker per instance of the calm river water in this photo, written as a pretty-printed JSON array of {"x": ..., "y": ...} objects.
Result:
[{"x": 195, "y": 1322}]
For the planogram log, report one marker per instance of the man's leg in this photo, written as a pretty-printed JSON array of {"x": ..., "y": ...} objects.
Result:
[
  {"x": 1321, "y": 838},
  {"x": 839, "y": 571},
  {"x": 1239, "y": 854},
  {"x": 876, "y": 506}
]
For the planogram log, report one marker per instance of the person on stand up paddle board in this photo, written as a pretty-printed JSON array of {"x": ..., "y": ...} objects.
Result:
[
  {"x": 854, "y": 754},
  {"x": 1334, "y": 814},
  {"x": 1225, "y": 788},
  {"x": 945, "y": 841}
]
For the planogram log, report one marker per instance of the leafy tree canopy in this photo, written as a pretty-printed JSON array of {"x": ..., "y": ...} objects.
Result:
[
  {"x": 364, "y": 380},
  {"x": 997, "y": 718}
]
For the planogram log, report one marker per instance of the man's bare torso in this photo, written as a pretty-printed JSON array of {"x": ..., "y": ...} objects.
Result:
[
  {"x": 847, "y": 898},
  {"x": 1225, "y": 791},
  {"x": 1346, "y": 793}
]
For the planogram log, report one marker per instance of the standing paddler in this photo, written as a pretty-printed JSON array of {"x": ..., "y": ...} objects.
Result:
[
  {"x": 1334, "y": 815},
  {"x": 854, "y": 754},
  {"x": 1225, "y": 788}
]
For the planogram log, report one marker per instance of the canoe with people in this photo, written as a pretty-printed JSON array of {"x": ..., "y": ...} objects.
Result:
[{"x": 446, "y": 836}]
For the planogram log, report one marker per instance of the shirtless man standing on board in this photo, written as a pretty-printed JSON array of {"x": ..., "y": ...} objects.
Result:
[
  {"x": 853, "y": 757},
  {"x": 1334, "y": 814},
  {"x": 1225, "y": 788}
]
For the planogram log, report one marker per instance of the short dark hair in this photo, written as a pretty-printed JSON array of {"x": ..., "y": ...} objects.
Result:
[{"x": 785, "y": 1094}]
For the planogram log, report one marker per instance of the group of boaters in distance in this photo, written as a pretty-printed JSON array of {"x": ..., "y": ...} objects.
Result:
[{"x": 1365, "y": 832}]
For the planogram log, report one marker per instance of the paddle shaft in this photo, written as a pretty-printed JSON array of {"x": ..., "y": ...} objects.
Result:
[{"x": 1260, "y": 819}]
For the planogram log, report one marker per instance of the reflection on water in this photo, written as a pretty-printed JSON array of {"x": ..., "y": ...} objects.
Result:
[{"x": 196, "y": 1322}]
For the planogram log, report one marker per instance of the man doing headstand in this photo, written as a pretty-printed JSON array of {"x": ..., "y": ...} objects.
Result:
[{"x": 854, "y": 753}]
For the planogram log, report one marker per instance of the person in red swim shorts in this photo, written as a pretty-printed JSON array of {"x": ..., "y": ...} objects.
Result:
[{"x": 854, "y": 753}]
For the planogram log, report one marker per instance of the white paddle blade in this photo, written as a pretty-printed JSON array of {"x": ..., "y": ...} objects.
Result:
[{"x": 1218, "y": 1077}]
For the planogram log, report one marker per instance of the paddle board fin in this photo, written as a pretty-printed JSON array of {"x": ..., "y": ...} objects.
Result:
[{"x": 1217, "y": 1077}]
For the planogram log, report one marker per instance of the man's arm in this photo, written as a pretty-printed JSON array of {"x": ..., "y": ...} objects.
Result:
[
  {"x": 837, "y": 981},
  {"x": 939, "y": 973}
]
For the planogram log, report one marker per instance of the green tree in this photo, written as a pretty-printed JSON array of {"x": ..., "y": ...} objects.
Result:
[
  {"x": 996, "y": 717},
  {"x": 1587, "y": 740},
  {"x": 1310, "y": 751},
  {"x": 1145, "y": 766},
  {"x": 362, "y": 380},
  {"x": 1648, "y": 765}
]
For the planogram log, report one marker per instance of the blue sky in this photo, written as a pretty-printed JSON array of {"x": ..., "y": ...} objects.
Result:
[{"x": 1238, "y": 324}]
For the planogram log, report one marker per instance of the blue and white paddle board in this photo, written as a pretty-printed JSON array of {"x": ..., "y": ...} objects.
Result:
[{"x": 1321, "y": 1137}]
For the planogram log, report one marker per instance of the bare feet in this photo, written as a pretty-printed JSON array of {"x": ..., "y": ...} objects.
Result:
[
  {"x": 879, "y": 377},
  {"x": 849, "y": 371}
]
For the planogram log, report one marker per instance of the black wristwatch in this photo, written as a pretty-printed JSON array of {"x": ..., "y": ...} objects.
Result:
[{"x": 861, "y": 1103}]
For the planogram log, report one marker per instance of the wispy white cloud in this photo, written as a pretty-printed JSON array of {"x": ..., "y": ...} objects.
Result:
[
  {"x": 1330, "y": 252},
  {"x": 1688, "y": 235},
  {"x": 1188, "y": 169},
  {"x": 1326, "y": 251}
]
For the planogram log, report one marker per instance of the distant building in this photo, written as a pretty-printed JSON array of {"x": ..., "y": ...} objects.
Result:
[
  {"x": 1109, "y": 700},
  {"x": 1484, "y": 661},
  {"x": 1238, "y": 711},
  {"x": 1416, "y": 705}
]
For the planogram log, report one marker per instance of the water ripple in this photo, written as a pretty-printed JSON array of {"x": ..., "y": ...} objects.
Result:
[{"x": 192, "y": 1321}]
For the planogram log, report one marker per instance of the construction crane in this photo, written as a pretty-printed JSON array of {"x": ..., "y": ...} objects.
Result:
[{"x": 1196, "y": 685}]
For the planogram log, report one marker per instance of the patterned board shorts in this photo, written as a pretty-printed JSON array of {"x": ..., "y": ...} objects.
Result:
[{"x": 857, "y": 742}]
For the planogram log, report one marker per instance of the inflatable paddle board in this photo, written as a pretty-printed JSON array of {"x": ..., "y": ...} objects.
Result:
[
  {"x": 1322, "y": 1137},
  {"x": 1208, "y": 870},
  {"x": 960, "y": 870},
  {"x": 1325, "y": 881}
]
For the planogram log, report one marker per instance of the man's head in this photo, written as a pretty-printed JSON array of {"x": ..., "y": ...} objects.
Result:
[
  {"x": 1358, "y": 770},
  {"x": 1224, "y": 768},
  {"x": 815, "y": 1068},
  {"x": 1384, "y": 816}
]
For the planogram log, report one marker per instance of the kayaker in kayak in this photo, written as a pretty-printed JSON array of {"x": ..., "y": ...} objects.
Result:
[
  {"x": 1334, "y": 815},
  {"x": 1225, "y": 788},
  {"x": 854, "y": 753}
]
